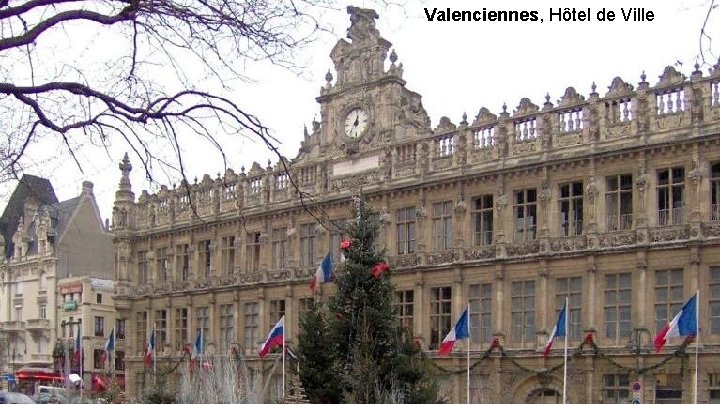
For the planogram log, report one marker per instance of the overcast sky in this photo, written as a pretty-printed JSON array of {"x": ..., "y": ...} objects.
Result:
[{"x": 457, "y": 67}]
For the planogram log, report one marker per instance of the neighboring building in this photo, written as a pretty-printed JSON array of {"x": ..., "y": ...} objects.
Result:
[
  {"x": 609, "y": 200},
  {"x": 49, "y": 241},
  {"x": 88, "y": 302}
]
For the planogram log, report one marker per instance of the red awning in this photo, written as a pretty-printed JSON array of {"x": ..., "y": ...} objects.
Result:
[{"x": 40, "y": 374}]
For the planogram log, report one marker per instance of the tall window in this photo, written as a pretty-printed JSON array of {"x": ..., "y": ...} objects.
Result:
[
  {"x": 205, "y": 257},
  {"x": 119, "y": 360},
  {"x": 671, "y": 202},
  {"x": 98, "y": 358},
  {"x": 202, "y": 322},
  {"x": 714, "y": 388},
  {"x": 571, "y": 209},
  {"x": 442, "y": 225},
  {"x": 161, "y": 329},
  {"x": 715, "y": 192},
  {"x": 142, "y": 277},
  {"x": 183, "y": 262},
  {"x": 304, "y": 305},
  {"x": 714, "y": 300},
  {"x": 480, "y": 296},
  {"x": 668, "y": 388},
  {"x": 525, "y": 214},
  {"x": 307, "y": 245},
  {"x": 277, "y": 310},
  {"x": 523, "y": 311},
  {"x": 252, "y": 255},
  {"x": 616, "y": 388},
  {"x": 618, "y": 202},
  {"x": 162, "y": 265},
  {"x": 440, "y": 315},
  {"x": 140, "y": 331},
  {"x": 251, "y": 325},
  {"x": 572, "y": 289},
  {"x": 668, "y": 295},
  {"x": 181, "y": 327},
  {"x": 618, "y": 306},
  {"x": 99, "y": 326},
  {"x": 228, "y": 254},
  {"x": 405, "y": 227},
  {"x": 120, "y": 329},
  {"x": 483, "y": 220},
  {"x": 227, "y": 325},
  {"x": 279, "y": 248},
  {"x": 42, "y": 312},
  {"x": 337, "y": 235},
  {"x": 404, "y": 305}
]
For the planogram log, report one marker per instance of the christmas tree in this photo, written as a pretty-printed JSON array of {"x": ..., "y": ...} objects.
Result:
[{"x": 366, "y": 356}]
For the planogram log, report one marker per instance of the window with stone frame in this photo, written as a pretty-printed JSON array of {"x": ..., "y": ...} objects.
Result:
[
  {"x": 227, "y": 325},
  {"x": 668, "y": 388},
  {"x": 252, "y": 252},
  {"x": 480, "y": 298},
  {"x": 182, "y": 258},
  {"x": 120, "y": 329},
  {"x": 228, "y": 254},
  {"x": 442, "y": 225},
  {"x": 525, "y": 214},
  {"x": 98, "y": 358},
  {"x": 482, "y": 217},
  {"x": 99, "y": 326},
  {"x": 205, "y": 257},
  {"x": 670, "y": 196},
  {"x": 308, "y": 252},
  {"x": 440, "y": 315},
  {"x": 570, "y": 287},
  {"x": 668, "y": 296},
  {"x": 161, "y": 324},
  {"x": 181, "y": 328},
  {"x": 714, "y": 300},
  {"x": 280, "y": 250},
  {"x": 304, "y": 305},
  {"x": 404, "y": 303},
  {"x": 119, "y": 360},
  {"x": 202, "y": 323},
  {"x": 522, "y": 311},
  {"x": 338, "y": 233},
  {"x": 618, "y": 202},
  {"x": 161, "y": 261},
  {"x": 715, "y": 191},
  {"x": 141, "y": 331},
  {"x": 251, "y": 325},
  {"x": 480, "y": 387},
  {"x": 142, "y": 275},
  {"x": 571, "y": 209},
  {"x": 277, "y": 310},
  {"x": 405, "y": 230},
  {"x": 616, "y": 388},
  {"x": 618, "y": 306},
  {"x": 714, "y": 388}
]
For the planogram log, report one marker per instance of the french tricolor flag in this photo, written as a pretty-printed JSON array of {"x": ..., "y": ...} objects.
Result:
[
  {"x": 150, "y": 349},
  {"x": 559, "y": 330},
  {"x": 685, "y": 323},
  {"x": 276, "y": 337},
  {"x": 323, "y": 273},
  {"x": 458, "y": 332}
]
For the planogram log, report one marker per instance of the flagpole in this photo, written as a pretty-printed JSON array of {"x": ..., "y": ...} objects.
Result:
[
  {"x": 468, "y": 354},
  {"x": 697, "y": 343},
  {"x": 567, "y": 332},
  {"x": 82, "y": 360},
  {"x": 283, "y": 359}
]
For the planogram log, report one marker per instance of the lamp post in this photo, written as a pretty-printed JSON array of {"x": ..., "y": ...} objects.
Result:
[
  {"x": 69, "y": 325},
  {"x": 636, "y": 343}
]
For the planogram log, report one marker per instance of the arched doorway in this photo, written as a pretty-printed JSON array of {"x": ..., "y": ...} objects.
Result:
[{"x": 544, "y": 396}]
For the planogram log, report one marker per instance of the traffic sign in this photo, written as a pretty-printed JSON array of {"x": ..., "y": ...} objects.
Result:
[
  {"x": 635, "y": 401},
  {"x": 636, "y": 386}
]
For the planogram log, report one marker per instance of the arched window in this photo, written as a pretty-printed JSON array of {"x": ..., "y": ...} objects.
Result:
[{"x": 43, "y": 281}]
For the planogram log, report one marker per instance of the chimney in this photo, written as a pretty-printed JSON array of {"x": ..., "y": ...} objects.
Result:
[{"x": 87, "y": 187}]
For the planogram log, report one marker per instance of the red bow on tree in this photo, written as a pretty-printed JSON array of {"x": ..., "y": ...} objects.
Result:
[
  {"x": 379, "y": 269},
  {"x": 345, "y": 245}
]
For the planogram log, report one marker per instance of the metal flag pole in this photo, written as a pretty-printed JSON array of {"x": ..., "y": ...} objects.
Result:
[
  {"x": 697, "y": 343},
  {"x": 565, "y": 354},
  {"x": 82, "y": 359},
  {"x": 283, "y": 357},
  {"x": 468, "y": 354}
]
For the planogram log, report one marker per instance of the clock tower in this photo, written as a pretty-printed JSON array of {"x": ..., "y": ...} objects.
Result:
[{"x": 367, "y": 106}]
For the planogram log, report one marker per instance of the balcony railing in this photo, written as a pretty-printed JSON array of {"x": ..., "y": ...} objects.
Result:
[
  {"x": 715, "y": 212},
  {"x": 618, "y": 222},
  {"x": 672, "y": 216}
]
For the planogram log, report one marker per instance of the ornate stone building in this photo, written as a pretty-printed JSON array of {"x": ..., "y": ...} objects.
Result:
[{"x": 611, "y": 199}]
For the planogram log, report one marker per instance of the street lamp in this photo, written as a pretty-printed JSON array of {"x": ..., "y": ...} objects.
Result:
[
  {"x": 69, "y": 341},
  {"x": 636, "y": 343}
]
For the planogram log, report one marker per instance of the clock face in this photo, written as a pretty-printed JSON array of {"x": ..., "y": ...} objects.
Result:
[{"x": 356, "y": 122}]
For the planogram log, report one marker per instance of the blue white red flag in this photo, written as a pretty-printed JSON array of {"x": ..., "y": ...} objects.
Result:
[
  {"x": 150, "y": 348},
  {"x": 323, "y": 273},
  {"x": 559, "y": 330},
  {"x": 685, "y": 323},
  {"x": 458, "y": 332}
]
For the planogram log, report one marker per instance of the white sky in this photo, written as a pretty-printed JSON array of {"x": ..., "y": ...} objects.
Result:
[{"x": 456, "y": 66}]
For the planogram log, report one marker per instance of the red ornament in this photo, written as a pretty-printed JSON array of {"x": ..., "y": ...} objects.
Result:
[
  {"x": 495, "y": 343},
  {"x": 379, "y": 269},
  {"x": 338, "y": 315},
  {"x": 345, "y": 245},
  {"x": 589, "y": 338}
]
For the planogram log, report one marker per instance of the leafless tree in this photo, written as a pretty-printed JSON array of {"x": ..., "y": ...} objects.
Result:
[{"x": 140, "y": 85}]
